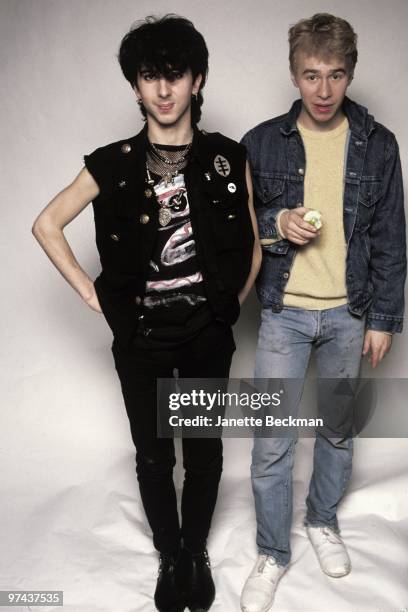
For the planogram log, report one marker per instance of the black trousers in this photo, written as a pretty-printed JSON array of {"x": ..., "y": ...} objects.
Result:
[{"x": 208, "y": 355}]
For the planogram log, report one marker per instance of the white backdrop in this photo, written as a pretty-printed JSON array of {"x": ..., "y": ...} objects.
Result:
[{"x": 71, "y": 516}]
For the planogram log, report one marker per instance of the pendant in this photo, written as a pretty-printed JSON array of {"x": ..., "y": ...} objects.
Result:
[
  {"x": 164, "y": 216},
  {"x": 168, "y": 179}
]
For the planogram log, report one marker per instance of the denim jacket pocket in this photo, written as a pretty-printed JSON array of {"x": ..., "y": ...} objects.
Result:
[
  {"x": 267, "y": 188},
  {"x": 369, "y": 194},
  {"x": 268, "y": 192},
  {"x": 280, "y": 247}
]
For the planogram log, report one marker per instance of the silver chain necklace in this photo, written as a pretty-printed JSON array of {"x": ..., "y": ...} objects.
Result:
[
  {"x": 175, "y": 157},
  {"x": 167, "y": 167}
]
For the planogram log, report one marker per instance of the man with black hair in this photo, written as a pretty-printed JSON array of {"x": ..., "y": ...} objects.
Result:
[{"x": 177, "y": 239}]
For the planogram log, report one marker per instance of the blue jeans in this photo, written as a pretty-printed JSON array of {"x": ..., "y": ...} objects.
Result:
[{"x": 284, "y": 346}]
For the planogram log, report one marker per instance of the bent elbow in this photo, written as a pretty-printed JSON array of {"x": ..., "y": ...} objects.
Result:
[
  {"x": 40, "y": 228},
  {"x": 37, "y": 229}
]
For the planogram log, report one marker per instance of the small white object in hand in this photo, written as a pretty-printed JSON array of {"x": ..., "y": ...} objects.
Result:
[{"x": 314, "y": 218}]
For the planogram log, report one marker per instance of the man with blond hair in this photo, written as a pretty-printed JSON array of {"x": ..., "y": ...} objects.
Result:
[{"x": 338, "y": 289}]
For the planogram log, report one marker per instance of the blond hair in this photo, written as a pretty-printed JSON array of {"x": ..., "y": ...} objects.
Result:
[{"x": 324, "y": 35}]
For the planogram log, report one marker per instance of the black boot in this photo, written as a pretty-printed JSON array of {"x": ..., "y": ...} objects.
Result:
[
  {"x": 194, "y": 573},
  {"x": 168, "y": 596}
]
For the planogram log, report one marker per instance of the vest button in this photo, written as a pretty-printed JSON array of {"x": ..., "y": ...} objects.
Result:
[
  {"x": 286, "y": 275},
  {"x": 231, "y": 216},
  {"x": 126, "y": 148},
  {"x": 144, "y": 219},
  {"x": 301, "y": 171},
  {"x": 148, "y": 193},
  {"x": 114, "y": 237},
  {"x": 122, "y": 184}
]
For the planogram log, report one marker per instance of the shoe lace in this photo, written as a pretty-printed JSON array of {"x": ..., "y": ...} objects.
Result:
[
  {"x": 203, "y": 555},
  {"x": 267, "y": 563},
  {"x": 331, "y": 536},
  {"x": 163, "y": 560},
  {"x": 207, "y": 559}
]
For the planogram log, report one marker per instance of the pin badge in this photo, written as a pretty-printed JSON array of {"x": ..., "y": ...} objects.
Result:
[
  {"x": 164, "y": 216},
  {"x": 232, "y": 187},
  {"x": 222, "y": 165}
]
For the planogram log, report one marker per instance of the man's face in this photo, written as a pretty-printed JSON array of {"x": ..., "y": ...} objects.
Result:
[
  {"x": 322, "y": 84},
  {"x": 167, "y": 99}
]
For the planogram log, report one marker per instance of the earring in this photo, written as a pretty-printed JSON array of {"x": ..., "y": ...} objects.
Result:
[
  {"x": 195, "y": 96},
  {"x": 139, "y": 101}
]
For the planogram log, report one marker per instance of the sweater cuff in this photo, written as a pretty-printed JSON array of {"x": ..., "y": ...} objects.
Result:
[{"x": 278, "y": 225}]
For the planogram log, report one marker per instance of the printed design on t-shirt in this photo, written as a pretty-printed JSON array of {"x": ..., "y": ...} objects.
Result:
[
  {"x": 175, "y": 283},
  {"x": 173, "y": 196},
  {"x": 173, "y": 265},
  {"x": 179, "y": 247}
]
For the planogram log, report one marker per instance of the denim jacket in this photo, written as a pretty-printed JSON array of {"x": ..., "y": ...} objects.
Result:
[{"x": 373, "y": 212}]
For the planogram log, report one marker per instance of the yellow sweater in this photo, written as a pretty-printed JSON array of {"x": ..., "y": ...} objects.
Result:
[{"x": 318, "y": 276}]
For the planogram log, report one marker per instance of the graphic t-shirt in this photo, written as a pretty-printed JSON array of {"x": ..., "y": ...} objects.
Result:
[{"x": 175, "y": 302}]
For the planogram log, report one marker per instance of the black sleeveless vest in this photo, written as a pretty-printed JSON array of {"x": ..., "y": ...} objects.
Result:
[{"x": 126, "y": 219}]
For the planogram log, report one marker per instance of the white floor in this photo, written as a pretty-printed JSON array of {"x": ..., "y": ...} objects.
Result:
[{"x": 71, "y": 520}]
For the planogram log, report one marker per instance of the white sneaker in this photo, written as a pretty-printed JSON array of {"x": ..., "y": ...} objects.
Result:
[
  {"x": 259, "y": 589},
  {"x": 330, "y": 551}
]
